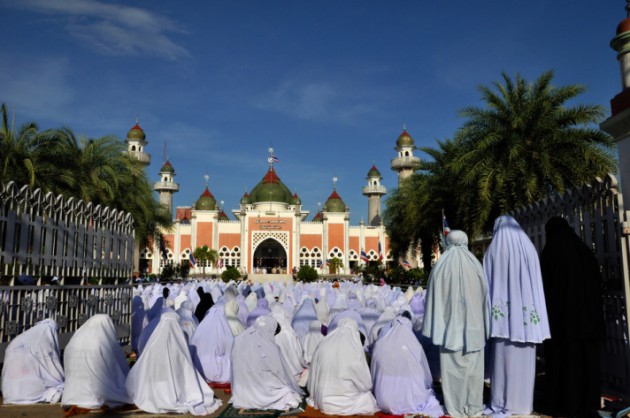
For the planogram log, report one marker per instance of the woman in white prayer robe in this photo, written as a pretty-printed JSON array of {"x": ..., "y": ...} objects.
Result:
[
  {"x": 457, "y": 318},
  {"x": 289, "y": 343},
  {"x": 401, "y": 374},
  {"x": 95, "y": 366},
  {"x": 260, "y": 378},
  {"x": 187, "y": 319},
  {"x": 164, "y": 379},
  {"x": 232, "y": 310},
  {"x": 211, "y": 346},
  {"x": 32, "y": 369},
  {"x": 139, "y": 321},
  {"x": 339, "y": 380}
]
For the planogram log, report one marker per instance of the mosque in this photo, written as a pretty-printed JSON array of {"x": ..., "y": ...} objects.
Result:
[{"x": 271, "y": 232}]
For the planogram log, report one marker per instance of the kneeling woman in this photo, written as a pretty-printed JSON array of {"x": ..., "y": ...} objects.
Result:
[{"x": 260, "y": 377}]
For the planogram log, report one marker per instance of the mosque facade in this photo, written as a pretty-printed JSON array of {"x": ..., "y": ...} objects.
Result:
[{"x": 270, "y": 232}]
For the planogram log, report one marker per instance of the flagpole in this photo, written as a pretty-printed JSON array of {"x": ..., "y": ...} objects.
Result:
[{"x": 442, "y": 222}]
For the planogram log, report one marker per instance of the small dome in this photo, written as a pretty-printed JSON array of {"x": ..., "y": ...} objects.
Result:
[
  {"x": 334, "y": 203},
  {"x": 206, "y": 201},
  {"x": 296, "y": 199},
  {"x": 223, "y": 216},
  {"x": 374, "y": 172},
  {"x": 404, "y": 140},
  {"x": 624, "y": 26},
  {"x": 317, "y": 217},
  {"x": 245, "y": 200},
  {"x": 167, "y": 168},
  {"x": 136, "y": 133},
  {"x": 271, "y": 189}
]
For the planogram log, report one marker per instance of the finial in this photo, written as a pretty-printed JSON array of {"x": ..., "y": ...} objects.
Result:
[
  {"x": 334, "y": 183},
  {"x": 404, "y": 126},
  {"x": 207, "y": 177},
  {"x": 628, "y": 8},
  {"x": 270, "y": 159},
  {"x": 222, "y": 203},
  {"x": 137, "y": 118},
  {"x": 319, "y": 205}
]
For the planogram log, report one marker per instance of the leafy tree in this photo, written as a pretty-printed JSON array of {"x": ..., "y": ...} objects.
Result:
[
  {"x": 524, "y": 145},
  {"x": 183, "y": 270},
  {"x": 307, "y": 274},
  {"x": 205, "y": 255},
  {"x": 168, "y": 272},
  {"x": 335, "y": 265}
]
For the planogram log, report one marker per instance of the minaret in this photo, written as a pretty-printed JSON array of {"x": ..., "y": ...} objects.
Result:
[
  {"x": 136, "y": 141},
  {"x": 405, "y": 164},
  {"x": 618, "y": 124},
  {"x": 166, "y": 186},
  {"x": 374, "y": 190}
]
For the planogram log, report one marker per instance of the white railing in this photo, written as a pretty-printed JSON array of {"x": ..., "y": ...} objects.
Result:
[{"x": 21, "y": 307}]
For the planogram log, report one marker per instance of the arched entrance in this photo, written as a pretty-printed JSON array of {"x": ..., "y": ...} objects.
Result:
[{"x": 271, "y": 256}]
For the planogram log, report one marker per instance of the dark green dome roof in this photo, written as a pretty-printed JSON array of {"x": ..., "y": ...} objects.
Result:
[
  {"x": 223, "y": 216},
  {"x": 136, "y": 133},
  {"x": 295, "y": 200},
  {"x": 206, "y": 201},
  {"x": 246, "y": 200},
  {"x": 334, "y": 203},
  {"x": 271, "y": 189},
  {"x": 317, "y": 217},
  {"x": 404, "y": 140},
  {"x": 167, "y": 168},
  {"x": 374, "y": 172}
]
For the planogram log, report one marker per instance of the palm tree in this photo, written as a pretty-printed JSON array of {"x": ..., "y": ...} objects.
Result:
[
  {"x": 27, "y": 156},
  {"x": 336, "y": 264},
  {"x": 524, "y": 145},
  {"x": 205, "y": 254}
]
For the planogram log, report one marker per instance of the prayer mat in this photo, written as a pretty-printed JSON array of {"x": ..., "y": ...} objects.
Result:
[
  {"x": 315, "y": 413},
  {"x": 231, "y": 412}
]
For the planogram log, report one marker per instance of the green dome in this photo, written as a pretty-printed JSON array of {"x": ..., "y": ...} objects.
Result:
[
  {"x": 223, "y": 216},
  {"x": 206, "y": 201},
  {"x": 246, "y": 200},
  {"x": 271, "y": 189},
  {"x": 374, "y": 172},
  {"x": 136, "y": 133},
  {"x": 167, "y": 168},
  {"x": 334, "y": 203},
  {"x": 404, "y": 140},
  {"x": 317, "y": 217},
  {"x": 295, "y": 200}
]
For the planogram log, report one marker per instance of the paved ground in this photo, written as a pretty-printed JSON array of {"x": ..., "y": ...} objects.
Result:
[{"x": 54, "y": 411}]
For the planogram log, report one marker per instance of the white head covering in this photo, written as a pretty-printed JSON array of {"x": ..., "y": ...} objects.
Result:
[
  {"x": 339, "y": 379},
  {"x": 386, "y": 317},
  {"x": 260, "y": 379},
  {"x": 289, "y": 343},
  {"x": 96, "y": 368},
  {"x": 457, "y": 313},
  {"x": 311, "y": 340},
  {"x": 187, "y": 320},
  {"x": 32, "y": 370},
  {"x": 231, "y": 313},
  {"x": 164, "y": 379},
  {"x": 211, "y": 346}
]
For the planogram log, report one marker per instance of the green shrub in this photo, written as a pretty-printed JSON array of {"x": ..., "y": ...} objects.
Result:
[
  {"x": 307, "y": 274},
  {"x": 230, "y": 273}
]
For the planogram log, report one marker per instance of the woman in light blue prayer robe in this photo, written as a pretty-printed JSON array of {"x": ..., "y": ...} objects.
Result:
[
  {"x": 457, "y": 319},
  {"x": 519, "y": 318}
]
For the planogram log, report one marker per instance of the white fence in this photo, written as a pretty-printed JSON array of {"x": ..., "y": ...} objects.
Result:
[
  {"x": 23, "y": 306},
  {"x": 597, "y": 215},
  {"x": 43, "y": 235}
]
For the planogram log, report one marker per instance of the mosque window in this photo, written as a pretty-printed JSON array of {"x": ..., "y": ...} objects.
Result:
[
  {"x": 406, "y": 153},
  {"x": 335, "y": 253},
  {"x": 133, "y": 148},
  {"x": 353, "y": 256},
  {"x": 372, "y": 255},
  {"x": 311, "y": 258}
]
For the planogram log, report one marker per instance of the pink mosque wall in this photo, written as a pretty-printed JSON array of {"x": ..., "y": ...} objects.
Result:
[
  {"x": 335, "y": 236},
  {"x": 310, "y": 241}
]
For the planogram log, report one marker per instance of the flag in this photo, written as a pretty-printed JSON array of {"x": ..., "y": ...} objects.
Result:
[
  {"x": 163, "y": 249},
  {"x": 327, "y": 263},
  {"x": 380, "y": 252},
  {"x": 364, "y": 256},
  {"x": 192, "y": 260},
  {"x": 219, "y": 263},
  {"x": 275, "y": 159},
  {"x": 445, "y": 228},
  {"x": 406, "y": 264}
]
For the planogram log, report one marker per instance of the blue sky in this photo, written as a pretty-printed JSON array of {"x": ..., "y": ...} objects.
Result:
[{"x": 328, "y": 84}]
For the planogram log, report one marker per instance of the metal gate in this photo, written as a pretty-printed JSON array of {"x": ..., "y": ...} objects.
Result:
[{"x": 597, "y": 215}]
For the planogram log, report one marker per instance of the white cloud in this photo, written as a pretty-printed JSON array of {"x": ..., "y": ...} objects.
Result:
[
  {"x": 317, "y": 100},
  {"x": 112, "y": 29}
]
